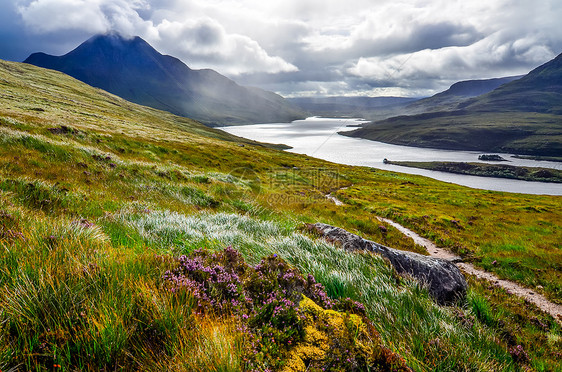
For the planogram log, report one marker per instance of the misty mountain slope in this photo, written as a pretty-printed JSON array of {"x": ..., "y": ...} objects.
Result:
[
  {"x": 373, "y": 108},
  {"x": 457, "y": 93},
  {"x": 523, "y": 116},
  {"x": 133, "y": 70},
  {"x": 347, "y": 105}
]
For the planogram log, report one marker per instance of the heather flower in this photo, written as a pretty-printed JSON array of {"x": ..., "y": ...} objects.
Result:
[{"x": 265, "y": 299}]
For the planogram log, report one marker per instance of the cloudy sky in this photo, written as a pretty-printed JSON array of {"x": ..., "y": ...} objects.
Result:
[{"x": 309, "y": 47}]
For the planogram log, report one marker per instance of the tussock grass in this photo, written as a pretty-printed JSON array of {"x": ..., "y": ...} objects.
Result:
[
  {"x": 68, "y": 298},
  {"x": 214, "y": 345}
]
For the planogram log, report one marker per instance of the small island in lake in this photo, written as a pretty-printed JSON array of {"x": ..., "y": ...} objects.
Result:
[
  {"x": 491, "y": 157},
  {"x": 487, "y": 170}
]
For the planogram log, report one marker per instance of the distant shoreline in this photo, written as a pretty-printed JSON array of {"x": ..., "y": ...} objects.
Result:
[{"x": 487, "y": 170}]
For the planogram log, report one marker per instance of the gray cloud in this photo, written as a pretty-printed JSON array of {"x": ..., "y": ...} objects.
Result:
[{"x": 300, "y": 47}]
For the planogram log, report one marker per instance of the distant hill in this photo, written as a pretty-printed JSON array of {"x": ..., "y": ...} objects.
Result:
[
  {"x": 523, "y": 116},
  {"x": 346, "y": 104},
  {"x": 373, "y": 108},
  {"x": 457, "y": 93},
  {"x": 538, "y": 91},
  {"x": 134, "y": 70}
]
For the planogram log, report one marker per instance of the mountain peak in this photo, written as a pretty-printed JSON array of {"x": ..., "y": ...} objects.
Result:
[
  {"x": 132, "y": 69},
  {"x": 115, "y": 40},
  {"x": 113, "y": 44}
]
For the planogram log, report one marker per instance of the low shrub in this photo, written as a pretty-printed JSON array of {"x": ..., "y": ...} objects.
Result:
[{"x": 288, "y": 319}]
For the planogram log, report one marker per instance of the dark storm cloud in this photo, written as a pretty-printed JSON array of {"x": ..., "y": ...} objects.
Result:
[{"x": 17, "y": 42}]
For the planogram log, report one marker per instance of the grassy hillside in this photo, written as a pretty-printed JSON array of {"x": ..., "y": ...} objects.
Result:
[
  {"x": 461, "y": 91},
  {"x": 100, "y": 200},
  {"x": 523, "y": 117},
  {"x": 538, "y": 91},
  {"x": 524, "y": 133}
]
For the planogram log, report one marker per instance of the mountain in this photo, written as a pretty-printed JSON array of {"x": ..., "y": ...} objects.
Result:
[
  {"x": 346, "y": 104},
  {"x": 457, "y": 93},
  {"x": 373, "y": 108},
  {"x": 538, "y": 91},
  {"x": 135, "y": 71},
  {"x": 523, "y": 116}
]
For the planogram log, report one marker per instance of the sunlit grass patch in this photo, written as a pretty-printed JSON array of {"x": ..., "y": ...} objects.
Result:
[
  {"x": 38, "y": 194},
  {"x": 210, "y": 345},
  {"x": 68, "y": 298},
  {"x": 526, "y": 331}
]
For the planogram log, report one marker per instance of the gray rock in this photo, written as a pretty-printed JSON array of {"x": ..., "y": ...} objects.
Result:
[{"x": 445, "y": 281}]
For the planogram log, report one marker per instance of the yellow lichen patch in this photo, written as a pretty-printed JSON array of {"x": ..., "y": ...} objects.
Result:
[{"x": 335, "y": 339}]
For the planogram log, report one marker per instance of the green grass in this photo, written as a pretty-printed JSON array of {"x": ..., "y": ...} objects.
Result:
[{"x": 90, "y": 219}]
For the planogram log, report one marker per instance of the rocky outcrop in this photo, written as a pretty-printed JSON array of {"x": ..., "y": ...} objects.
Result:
[{"x": 445, "y": 281}]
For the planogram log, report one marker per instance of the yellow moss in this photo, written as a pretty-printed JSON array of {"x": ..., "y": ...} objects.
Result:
[
  {"x": 310, "y": 306},
  {"x": 294, "y": 363},
  {"x": 315, "y": 337},
  {"x": 316, "y": 341}
]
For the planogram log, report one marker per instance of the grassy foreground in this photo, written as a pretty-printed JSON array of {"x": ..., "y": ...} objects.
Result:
[{"x": 99, "y": 198}]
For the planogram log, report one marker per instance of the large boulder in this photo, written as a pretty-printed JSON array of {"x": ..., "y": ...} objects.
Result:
[{"x": 445, "y": 281}]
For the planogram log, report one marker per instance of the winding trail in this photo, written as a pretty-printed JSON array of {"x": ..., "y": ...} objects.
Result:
[
  {"x": 513, "y": 288},
  {"x": 334, "y": 199}
]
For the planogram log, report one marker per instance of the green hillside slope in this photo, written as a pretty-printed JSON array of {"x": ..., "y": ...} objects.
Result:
[
  {"x": 115, "y": 223},
  {"x": 457, "y": 93},
  {"x": 519, "y": 133},
  {"x": 538, "y": 91},
  {"x": 523, "y": 117}
]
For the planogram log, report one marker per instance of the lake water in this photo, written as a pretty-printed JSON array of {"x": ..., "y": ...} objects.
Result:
[{"x": 318, "y": 137}]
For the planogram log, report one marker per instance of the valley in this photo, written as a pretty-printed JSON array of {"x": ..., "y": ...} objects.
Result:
[
  {"x": 319, "y": 137},
  {"x": 290, "y": 186}
]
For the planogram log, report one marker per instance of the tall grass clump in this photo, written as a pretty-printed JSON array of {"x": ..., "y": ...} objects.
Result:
[
  {"x": 39, "y": 194},
  {"x": 69, "y": 300}
]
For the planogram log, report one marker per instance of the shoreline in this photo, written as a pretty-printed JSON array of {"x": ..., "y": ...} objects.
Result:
[{"x": 531, "y": 174}]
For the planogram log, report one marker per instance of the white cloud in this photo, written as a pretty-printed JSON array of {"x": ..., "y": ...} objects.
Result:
[
  {"x": 95, "y": 16},
  {"x": 202, "y": 42},
  {"x": 486, "y": 58},
  {"x": 205, "y": 43},
  {"x": 324, "y": 45},
  {"x": 55, "y": 15}
]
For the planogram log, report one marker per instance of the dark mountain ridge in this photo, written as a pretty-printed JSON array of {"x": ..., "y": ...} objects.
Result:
[
  {"x": 457, "y": 93},
  {"x": 538, "y": 91},
  {"x": 523, "y": 116},
  {"x": 134, "y": 70}
]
